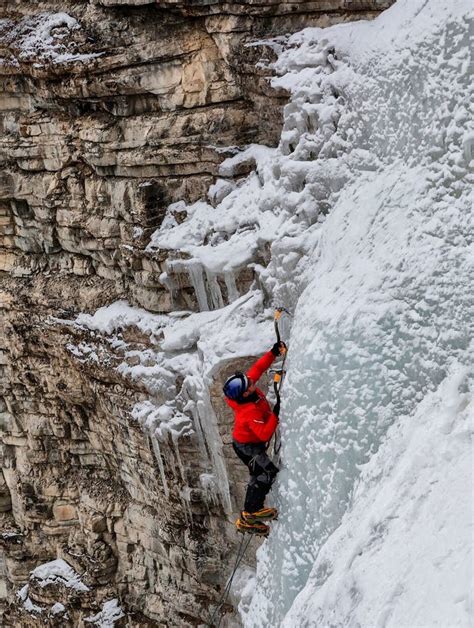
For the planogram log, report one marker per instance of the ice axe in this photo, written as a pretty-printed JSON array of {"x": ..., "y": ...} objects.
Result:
[
  {"x": 278, "y": 312},
  {"x": 278, "y": 374}
]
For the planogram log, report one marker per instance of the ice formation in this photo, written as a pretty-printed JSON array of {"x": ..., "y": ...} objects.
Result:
[
  {"x": 363, "y": 212},
  {"x": 187, "y": 344},
  {"x": 402, "y": 554},
  {"x": 378, "y": 328}
]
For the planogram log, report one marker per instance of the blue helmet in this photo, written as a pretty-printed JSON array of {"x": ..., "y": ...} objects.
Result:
[{"x": 235, "y": 386}]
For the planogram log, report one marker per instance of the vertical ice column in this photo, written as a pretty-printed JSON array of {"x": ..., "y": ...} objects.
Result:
[
  {"x": 232, "y": 292},
  {"x": 214, "y": 290},
  {"x": 156, "y": 449},
  {"x": 206, "y": 427},
  {"x": 205, "y": 283},
  {"x": 197, "y": 279}
]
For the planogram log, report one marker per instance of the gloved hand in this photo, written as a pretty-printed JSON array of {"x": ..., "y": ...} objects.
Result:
[
  {"x": 276, "y": 409},
  {"x": 278, "y": 348}
]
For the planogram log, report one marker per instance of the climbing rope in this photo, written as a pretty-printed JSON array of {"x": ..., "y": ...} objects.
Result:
[{"x": 243, "y": 545}]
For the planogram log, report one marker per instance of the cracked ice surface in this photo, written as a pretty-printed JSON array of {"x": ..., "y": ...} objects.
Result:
[{"x": 383, "y": 316}]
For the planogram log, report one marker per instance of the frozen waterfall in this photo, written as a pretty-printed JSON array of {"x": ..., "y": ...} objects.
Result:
[{"x": 384, "y": 317}]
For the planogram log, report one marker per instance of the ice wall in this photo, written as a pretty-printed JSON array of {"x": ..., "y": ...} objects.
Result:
[
  {"x": 382, "y": 110},
  {"x": 402, "y": 555}
]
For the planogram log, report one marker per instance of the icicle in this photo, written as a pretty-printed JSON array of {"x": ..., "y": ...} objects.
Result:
[
  {"x": 174, "y": 438},
  {"x": 185, "y": 498},
  {"x": 156, "y": 449},
  {"x": 195, "y": 274},
  {"x": 214, "y": 290},
  {"x": 191, "y": 407},
  {"x": 184, "y": 494},
  {"x": 206, "y": 429},
  {"x": 214, "y": 442},
  {"x": 210, "y": 488},
  {"x": 232, "y": 292}
]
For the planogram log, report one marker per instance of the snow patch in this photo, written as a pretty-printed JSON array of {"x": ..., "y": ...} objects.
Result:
[
  {"x": 120, "y": 314},
  {"x": 111, "y": 612},
  {"x": 27, "y": 604},
  {"x": 163, "y": 420},
  {"x": 42, "y": 38},
  {"x": 57, "y": 609},
  {"x": 58, "y": 572}
]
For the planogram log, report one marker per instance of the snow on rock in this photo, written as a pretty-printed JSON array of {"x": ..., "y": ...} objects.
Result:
[
  {"x": 111, "y": 612},
  {"x": 188, "y": 345},
  {"x": 120, "y": 314},
  {"x": 162, "y": 420},
  {"x": 57, "y": 609},
  {"x": 42, "y": 38},
  {"x": 26, "y": 601},
  {"x": 227, "y": 239},
  {"x": 58, "y": 572}
]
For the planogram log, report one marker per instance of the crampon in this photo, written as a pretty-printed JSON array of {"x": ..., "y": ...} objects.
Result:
[{"x": 260, "y": 529}]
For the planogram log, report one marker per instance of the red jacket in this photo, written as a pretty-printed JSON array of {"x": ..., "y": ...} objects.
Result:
[{"x": 254, "y": 421}]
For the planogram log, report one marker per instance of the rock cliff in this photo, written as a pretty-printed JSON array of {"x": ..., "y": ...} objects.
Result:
[{"x": 110, "y": 112}]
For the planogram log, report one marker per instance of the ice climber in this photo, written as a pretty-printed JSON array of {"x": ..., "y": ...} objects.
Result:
[{"x": 254, "y": 425}]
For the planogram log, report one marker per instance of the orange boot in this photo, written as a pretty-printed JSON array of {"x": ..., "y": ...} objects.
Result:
[{"x": 264, "y": 514}]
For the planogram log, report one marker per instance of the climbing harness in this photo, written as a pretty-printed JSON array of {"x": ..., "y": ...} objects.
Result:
[
  {"x": 278, "y": 375},
  {"x": 243, "y": 545}
]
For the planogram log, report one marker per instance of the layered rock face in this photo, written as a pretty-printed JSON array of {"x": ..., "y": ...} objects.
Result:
[{"x": 111, "y": 112}]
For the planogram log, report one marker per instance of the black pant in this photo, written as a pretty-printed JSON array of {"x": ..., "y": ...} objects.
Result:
[{"x": 262, "y": 473}]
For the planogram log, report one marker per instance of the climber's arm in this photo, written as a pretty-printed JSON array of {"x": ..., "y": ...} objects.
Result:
[{"x": 257, "y": 369}]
